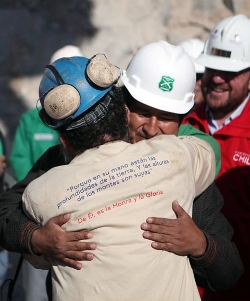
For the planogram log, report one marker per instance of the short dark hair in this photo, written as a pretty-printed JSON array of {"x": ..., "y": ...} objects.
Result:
[
  {"x": 128, "y": 98},
  {"x": 114, "y": 126}
]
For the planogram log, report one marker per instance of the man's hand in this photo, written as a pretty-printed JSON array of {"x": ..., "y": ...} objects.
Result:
[
  {"x": 180, "y": 236},
  {"x": 66, "y": 247}
]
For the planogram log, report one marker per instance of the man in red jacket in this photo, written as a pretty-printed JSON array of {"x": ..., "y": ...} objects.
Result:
[{"x": 225, "y": 115}]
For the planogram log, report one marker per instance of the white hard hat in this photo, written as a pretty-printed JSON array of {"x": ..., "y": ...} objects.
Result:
[
  {"x": 228, "y": 45},
  {"x": 194, "y": 48},
  {"x": 66, "y": 51},
  {"x": 162, "y": 76}
]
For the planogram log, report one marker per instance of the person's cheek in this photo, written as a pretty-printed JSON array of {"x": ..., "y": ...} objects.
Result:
[{"x": 133, "y": 126}]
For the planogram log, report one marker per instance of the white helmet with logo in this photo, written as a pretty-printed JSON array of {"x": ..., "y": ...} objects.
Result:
[
  {"x": 162, "y": 76},
  {"x": 194, "y": 48},
  {"x": 228, "y": 45}
]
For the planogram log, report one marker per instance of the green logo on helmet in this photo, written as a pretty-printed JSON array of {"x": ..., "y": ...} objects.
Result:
[{"x": 166, "y": 83}]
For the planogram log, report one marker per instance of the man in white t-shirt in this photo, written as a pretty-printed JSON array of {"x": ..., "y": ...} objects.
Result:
[{"x": 111, "y": 186}]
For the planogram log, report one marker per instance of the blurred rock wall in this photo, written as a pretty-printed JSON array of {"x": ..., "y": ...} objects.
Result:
[{"x": 31, "y": 31}]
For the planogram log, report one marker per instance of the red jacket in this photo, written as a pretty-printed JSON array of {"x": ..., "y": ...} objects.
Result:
[{"x": 233, "y": 181}]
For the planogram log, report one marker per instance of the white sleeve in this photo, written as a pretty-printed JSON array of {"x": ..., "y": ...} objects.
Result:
[
  {"x": 28, "y": 207},
  {"x": 38, "y": 261},
  {"x": 202, "y": 160}
]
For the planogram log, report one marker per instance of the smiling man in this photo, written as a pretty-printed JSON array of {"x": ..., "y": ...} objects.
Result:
[
  {"x": 225, "y": 116},
  {"x": 161, "y": 122},
  {"x": 205, "y": 238}
]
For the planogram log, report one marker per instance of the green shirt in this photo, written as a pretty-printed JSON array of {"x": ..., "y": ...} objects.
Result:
[
  {"x": 32, "y": 139},
  {"x": 1, "y": 148}
]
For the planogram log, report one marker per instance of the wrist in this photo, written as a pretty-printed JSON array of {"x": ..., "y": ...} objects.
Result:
[
  {"x": 34, "y": 243},
  {"x": 210, "y": 254},
  {"x": 201, "y": 248},
  {"x": 26, "y": 237}
]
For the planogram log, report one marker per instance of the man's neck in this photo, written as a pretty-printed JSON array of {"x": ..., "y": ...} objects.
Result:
[
  {"x": 220, "y": 117},
  {"x": 223, "y": 117}
]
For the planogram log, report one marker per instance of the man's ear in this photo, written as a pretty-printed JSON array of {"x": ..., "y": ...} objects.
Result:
[
  {"x": 64, "y": 142},
  {"x": 249, "y": 82},
  {"x": 68, "y": 151}
]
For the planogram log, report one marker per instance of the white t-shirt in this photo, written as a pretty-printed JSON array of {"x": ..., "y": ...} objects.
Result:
[{"x": 111, "y": 190}]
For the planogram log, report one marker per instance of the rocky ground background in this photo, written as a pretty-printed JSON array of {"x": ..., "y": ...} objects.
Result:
[{"x": 31, "y": 31}]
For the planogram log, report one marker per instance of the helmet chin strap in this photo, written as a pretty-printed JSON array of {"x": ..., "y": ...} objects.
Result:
[{"x": 95, "y": 115}]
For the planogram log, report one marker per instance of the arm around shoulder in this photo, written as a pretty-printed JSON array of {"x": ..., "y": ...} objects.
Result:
[
  {"x": 189, "y": 130},
  {"x": 202, "y": 162},
  {"x": 15, "y": 228}
]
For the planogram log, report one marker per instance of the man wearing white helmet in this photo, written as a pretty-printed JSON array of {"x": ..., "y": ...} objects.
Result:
[
  {"x": 225, "y": 116},
  {"x": 194, "y": 47},
  {"x": 156, "y": 108}
]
